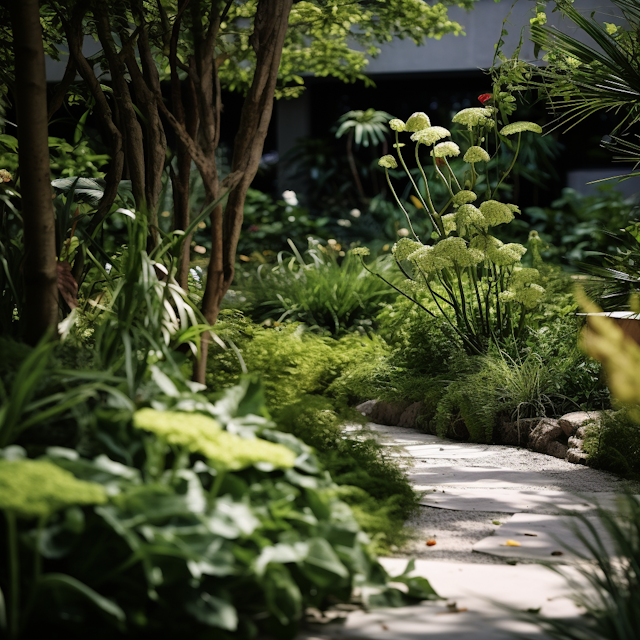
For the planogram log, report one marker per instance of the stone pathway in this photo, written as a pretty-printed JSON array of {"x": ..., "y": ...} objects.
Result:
[{"x": 475, "y": 498}]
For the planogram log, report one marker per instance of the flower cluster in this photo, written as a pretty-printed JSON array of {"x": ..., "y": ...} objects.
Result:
[
  {"x": 396, "y": 124},
  {"x": 496, "y": 213},
  {"x": 38, "y": 488},
  {"x": 5, "y": 176},
  {"x": 469, "y": 218},
  {"x": 449, "y": 223},
  {"x": 201, "y": 434},
  {"x": 404, "y": 248},
  {"x": 474, "y": 116},
  {"x": 463, "y": 197},
  {"x": 429, "y": 261},
  {"x": 445, "y": 149},
  {"x": 430, "y": 136},
  {"x": 360, "y": 251},
  {"x": 519, "y": 127},
  {"x": 417, "y": 122},
  {"x": 476, "y": 154},
  {"x": 388, "y": 162}
]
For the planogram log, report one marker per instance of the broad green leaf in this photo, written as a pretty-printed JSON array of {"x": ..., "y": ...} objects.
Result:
[
  {"x": 214, "y": 612},
  {"x": 61, "y": 581}
]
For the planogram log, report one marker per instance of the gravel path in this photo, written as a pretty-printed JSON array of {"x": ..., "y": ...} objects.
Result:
[{"x": 456, "y": 531}]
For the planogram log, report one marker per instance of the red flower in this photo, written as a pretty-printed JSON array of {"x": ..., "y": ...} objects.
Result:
[{"x": 485, "y": 97}]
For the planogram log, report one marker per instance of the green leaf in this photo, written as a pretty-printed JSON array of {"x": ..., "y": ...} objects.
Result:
[
  {"x": 56, "y": 581},
  {"x": 214, "y": 612}
]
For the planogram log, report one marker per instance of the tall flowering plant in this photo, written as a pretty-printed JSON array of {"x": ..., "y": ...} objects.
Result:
[{"x": 476, "y": 282}]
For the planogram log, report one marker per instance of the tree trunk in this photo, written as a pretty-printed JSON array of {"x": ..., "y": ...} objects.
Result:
[
  {"x": 39, "y": 267},
  {"x": 267, "y": 40}
]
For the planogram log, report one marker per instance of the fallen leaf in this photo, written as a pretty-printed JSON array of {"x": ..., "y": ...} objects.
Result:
[
  {"x": 557, "y": 553},
  {"x": 533, "y": 535},
  {"x": 496, "y": 522},
  {"x": 512, "y": 543},
  {"x": 533, "y": 610},
  {"x": 384, "y": 626},
  {"x": 431, "y": 542}
]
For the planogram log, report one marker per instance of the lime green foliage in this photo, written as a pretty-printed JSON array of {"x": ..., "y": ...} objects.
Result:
[
  {"x": 308, "y": 379},
  {"x": 201, "y": 434},
  {"x": 367, "y": 480},
  {"x": 37, "y": 489},
  {"x": 332, "y": 38},
  {"x": 614, "y": 444},
  {"x": 319, "y": 288},
  {"x": 292, "y": 360}
]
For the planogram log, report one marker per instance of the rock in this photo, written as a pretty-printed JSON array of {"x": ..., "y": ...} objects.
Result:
[
  {"x": 388, "y": 412},
  {"x": 544, "y": 434},
  {"x": 577, "y": 456},
  {"x": 581, "y": 433},
  {"x": 556, "y": 449},
  {"x": 575, "y": 442},
  {"x": 571, "y": 422},
  {"x": 517, "y": 433},
  {"x": 366, "y": 408},
  {"x": 410, "y": 415}
]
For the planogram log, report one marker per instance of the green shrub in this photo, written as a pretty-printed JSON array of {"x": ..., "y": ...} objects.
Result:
[
  {"x": 614, "y": 444},
  {"x": 321, "y": 289}
]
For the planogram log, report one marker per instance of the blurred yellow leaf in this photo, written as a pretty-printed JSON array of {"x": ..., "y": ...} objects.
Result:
[{"x": 416, "y": 203}]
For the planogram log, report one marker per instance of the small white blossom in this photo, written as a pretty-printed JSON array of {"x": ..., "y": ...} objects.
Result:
[
  {"x": 290, "y": 198},
  {"x": 355, "y": 213},
  {"x": 344, "y": 223},
  {"x": 403, "y": 233}
]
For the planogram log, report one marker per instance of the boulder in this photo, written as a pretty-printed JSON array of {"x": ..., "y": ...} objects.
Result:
[
  {"x": 581, "y": 433},
  {"x": 516, "y": 433},
  {"x": 577, "y": 456},
  {"x": 410, "y": 415},
  {"x": 544, "y": 434},
  {"x": 556, "y": 449},
  {"x": 388, "y": 412},
  {"x": 366, "y": 408},
  {"x": 571, "y": 422}
]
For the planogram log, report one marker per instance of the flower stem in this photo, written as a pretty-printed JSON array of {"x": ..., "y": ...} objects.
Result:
[
  {"x": 513, "y": 162},
  {"x": 395, "y": 195},
  {"x": 431, "y": 210},
  {"x": 14, "y": 575}
]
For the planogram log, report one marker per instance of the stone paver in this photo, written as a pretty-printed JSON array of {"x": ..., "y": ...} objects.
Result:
[{"x": 468, "y": 493}]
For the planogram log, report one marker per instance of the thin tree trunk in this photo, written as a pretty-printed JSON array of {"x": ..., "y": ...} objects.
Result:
[
  {"x": 39, "y": 267},
  {"x": 267, "y": 40}
]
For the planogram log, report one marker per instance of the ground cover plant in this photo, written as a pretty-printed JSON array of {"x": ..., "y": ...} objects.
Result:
[{"x": 300, "y": 369}]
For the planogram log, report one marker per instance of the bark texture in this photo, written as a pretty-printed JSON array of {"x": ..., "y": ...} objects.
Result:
[
  {"x": 267, "y": 40},
  {"x": 39, "y": 267}
]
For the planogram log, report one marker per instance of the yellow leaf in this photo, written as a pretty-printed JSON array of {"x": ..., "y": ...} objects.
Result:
[
  {"x": 416, "y": 203},
  {"x": 512, "y": 543}
]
